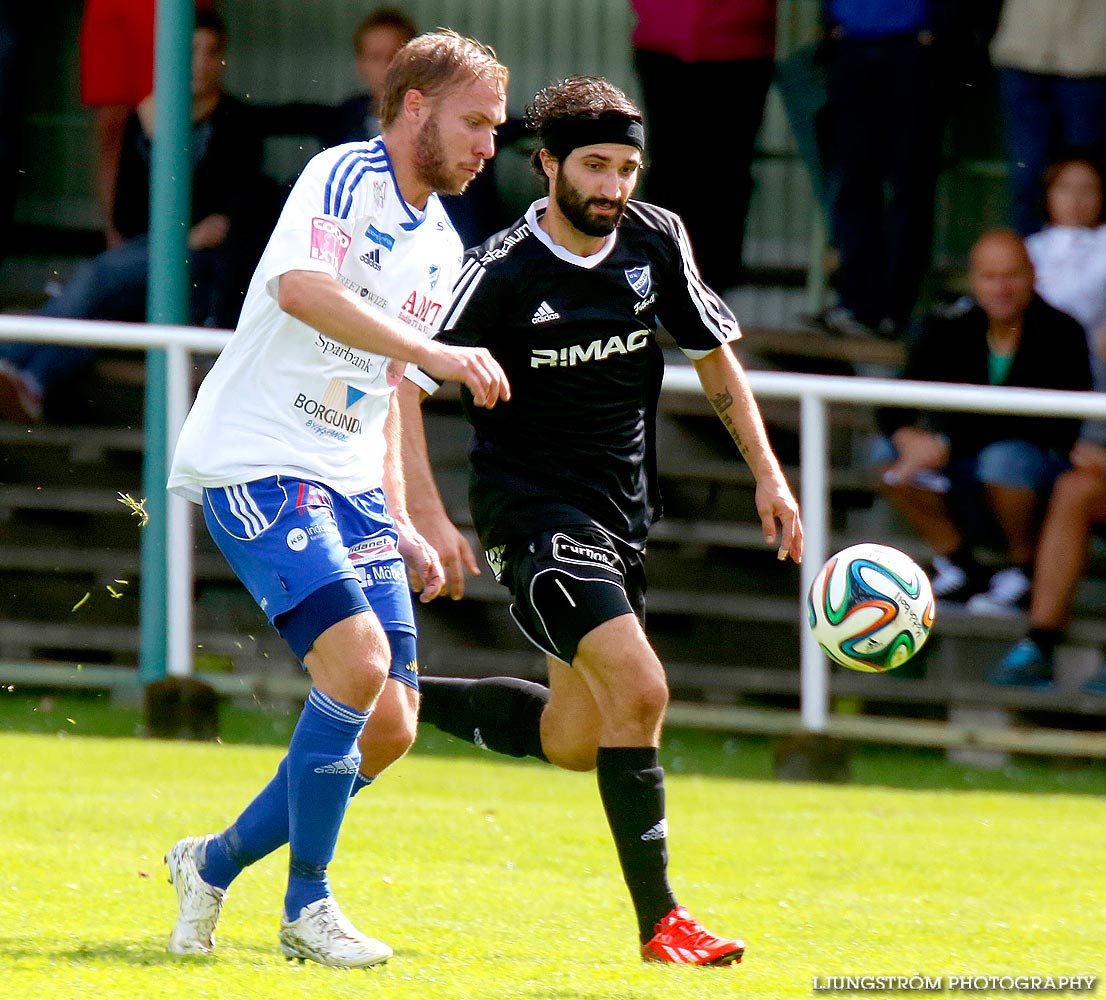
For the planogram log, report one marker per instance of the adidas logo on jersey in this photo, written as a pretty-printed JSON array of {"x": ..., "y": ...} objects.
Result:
[
  {"x": 372, "y": 258},
  {"x": 658, "y": 832},
  {"x": 346, "y": 765},
  {"x": 545, "y": 314}
]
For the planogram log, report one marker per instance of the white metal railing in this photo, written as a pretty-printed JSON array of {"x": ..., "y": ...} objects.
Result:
[
  {"x": 178, "y": 342},
  {"x": 814, "y": 392}
]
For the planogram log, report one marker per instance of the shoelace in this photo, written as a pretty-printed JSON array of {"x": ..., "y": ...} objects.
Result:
[
  {"x": 329, "y": 917},
  {"x": 688, "y": 931}
]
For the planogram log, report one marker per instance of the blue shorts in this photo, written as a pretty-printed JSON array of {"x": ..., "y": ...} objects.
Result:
[
  {"x": 1016, "y": 464},
  {"x": 289, "y": 540}
]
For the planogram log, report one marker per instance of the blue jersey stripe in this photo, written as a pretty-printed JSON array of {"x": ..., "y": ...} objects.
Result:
[
  {"x": 347, "y": 204},
  {"x": 338, "y": 164},
  {"x": 338, "y": 194},
  {"x": 352, "y": 164}
]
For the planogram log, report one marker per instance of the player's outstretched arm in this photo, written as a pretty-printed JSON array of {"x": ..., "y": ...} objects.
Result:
[
  {"x": 726, "y": 387},
  {"x": 424, "y": 502},
  {"x": 317, "y": 299},
  {"x": 474, "y": 367}
]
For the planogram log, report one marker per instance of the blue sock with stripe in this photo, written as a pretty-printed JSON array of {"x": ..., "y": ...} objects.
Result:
[
  {"x": 263, "y": 825},
  {"x": 322, "y": 764},
  {"x": 260, "y": 830},
  {"x": 361, "y": 781}
]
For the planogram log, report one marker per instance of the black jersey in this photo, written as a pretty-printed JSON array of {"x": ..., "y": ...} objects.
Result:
[{"x": 576, "y": 337}]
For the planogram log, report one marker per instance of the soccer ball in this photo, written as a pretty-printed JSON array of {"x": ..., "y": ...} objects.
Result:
[{"x": 871, "y": 607}]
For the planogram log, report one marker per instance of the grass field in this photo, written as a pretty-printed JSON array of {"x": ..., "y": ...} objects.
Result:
[{"x": 494, "y": 879}]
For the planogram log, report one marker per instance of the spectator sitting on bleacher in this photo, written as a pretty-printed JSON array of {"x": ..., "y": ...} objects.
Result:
[
  {"x": 936, "y": 466},
  {"x": 117, "y": 74},
  {"x": 1070, "y": 255},
  {"x": 1069, "y": 259},
  {"x": 226, "y": 158},
  {"x": 377, "y": 38}
]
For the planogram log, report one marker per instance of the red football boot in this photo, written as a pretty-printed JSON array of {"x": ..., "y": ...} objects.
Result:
[{"x": 680, "y": 938}]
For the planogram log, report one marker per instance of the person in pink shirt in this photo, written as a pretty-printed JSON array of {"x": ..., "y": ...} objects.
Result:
[
  {"x": 117, "y": 74},
  {"x": 705, "y": 67}
]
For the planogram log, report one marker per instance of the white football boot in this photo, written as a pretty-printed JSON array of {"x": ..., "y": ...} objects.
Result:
[
  {"x": 322, "y": 934},
  {"x": 198, "y": 904}
]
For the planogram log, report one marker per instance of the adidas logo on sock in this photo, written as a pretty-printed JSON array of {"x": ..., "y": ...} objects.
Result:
[
  {"x": 658, "y": 832},
  {"x": 347, "y": 765},
  {"x": 545, "y": 313}
]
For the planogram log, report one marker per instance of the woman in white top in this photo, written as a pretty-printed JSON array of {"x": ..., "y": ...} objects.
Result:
[{"x": 1069, "y": 256}]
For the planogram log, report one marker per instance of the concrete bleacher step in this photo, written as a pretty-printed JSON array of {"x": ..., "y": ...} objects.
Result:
[
  {"x": 723, "y": 614},
  {"x": 84, "y": 445},
  {"x": 796, "y": 348},
  {"x": 100, "y": 564},
  {"x": 119, "y": 644}
]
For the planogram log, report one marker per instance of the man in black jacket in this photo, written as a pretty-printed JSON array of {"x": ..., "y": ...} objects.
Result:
[
  {"x": 226, "y": 168},
  {"x": 943, "y": 469}
]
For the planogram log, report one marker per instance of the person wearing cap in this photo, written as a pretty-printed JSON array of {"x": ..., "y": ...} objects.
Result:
[{"x": 563, "y": 484}]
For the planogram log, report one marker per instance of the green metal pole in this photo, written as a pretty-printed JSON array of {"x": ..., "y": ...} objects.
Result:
[{"x": 167, "y": 302}]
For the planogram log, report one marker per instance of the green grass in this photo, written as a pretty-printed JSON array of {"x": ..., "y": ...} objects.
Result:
[
  {"x": 495, "y": 879},
  {"x": 684, "y": 751}
]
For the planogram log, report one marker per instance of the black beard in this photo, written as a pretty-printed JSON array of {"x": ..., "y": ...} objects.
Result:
[
  {"x": 576, "y": 208},
  {"x": 430, "y": 160}
]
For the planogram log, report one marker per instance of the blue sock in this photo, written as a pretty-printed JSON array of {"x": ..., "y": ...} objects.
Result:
[
  {"x": 322, "y": 763},
  {"x": 260, "y": 830},
  {"x": 359, "y": 782}
]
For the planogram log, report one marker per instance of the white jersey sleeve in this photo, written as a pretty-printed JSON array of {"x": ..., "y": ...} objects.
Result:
[{"x": 314, "y": 232}]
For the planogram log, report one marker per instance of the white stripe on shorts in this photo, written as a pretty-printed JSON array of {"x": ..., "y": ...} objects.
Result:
[{"x": 242, "y": 506}]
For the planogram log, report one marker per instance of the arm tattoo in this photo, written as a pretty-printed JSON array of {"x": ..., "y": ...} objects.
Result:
[{"x": 722, "y": 401}]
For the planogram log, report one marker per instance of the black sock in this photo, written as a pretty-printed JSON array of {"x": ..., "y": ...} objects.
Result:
[
  {"x": 500, "y": 713},
  {"x": 631, "y": 786},
  {"x": 1046, "y": 639}
]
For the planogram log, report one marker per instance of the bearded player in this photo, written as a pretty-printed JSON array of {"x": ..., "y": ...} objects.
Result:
[
  {"x": 285, "y": 450},
  {"x": 563, "y": 486}
]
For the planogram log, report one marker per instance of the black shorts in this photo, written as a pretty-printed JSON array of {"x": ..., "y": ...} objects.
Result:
[{"x": 566, "y": 582}]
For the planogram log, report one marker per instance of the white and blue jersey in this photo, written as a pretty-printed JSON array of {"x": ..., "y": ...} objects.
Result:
[
  {"x": 284, "y": 446},
  {"x": 283, "y": 398}
]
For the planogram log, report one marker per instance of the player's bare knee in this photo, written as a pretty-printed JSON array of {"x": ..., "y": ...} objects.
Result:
[
  {"x": 403, "y": 735},
  {"x": 640, "y": 709},
  {"x": 356, "y": 682},
  {"x": 392, "y": 741}
]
